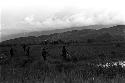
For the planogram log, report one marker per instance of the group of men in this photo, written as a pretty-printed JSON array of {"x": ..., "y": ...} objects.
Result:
[{"x": 44, "y": 54}]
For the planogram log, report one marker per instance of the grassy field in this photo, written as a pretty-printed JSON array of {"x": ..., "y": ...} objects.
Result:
[{"x": 83, "y": 69}]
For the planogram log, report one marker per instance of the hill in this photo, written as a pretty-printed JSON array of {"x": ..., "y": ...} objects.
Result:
[
  {"x": 115, "y": 33},
  {"x": 48, "y": 32}
]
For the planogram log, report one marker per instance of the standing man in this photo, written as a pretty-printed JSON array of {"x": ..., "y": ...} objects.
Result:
[
  {"x": 11, "y": 52},
  {"x": 44, "y": 54},
  {"x": 65, "y": 54},
  {"x": 27, "y": 51}
]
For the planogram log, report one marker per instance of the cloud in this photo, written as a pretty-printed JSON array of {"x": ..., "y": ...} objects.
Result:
[
  {"x": 96, "y": 18},
  {"x": 31, "y": 20},
  {"x": 49, "y": 22},
  {"x": 81, "y": 18}
]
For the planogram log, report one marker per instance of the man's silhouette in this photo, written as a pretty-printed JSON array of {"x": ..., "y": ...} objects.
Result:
[
  {"x": 44, "y": 54},
  {"x": 27, "y": 51},
  {"x": 11, "y": 52},
  {"x": 65, "y": 54},
  {"x": 24, "y": 47}
]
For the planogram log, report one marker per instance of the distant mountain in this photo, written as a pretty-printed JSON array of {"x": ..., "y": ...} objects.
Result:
[
  {"x": 105, "y": 34},
  {"x": 48, "y": 32}
]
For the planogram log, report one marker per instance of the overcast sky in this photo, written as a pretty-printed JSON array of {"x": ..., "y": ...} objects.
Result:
[{"x": 29, "y": 15}]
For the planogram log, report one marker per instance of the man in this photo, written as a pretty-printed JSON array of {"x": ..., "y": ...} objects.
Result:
[
  {"x": 27, "y": 51},
  {"x": 44, "y": 54},
  {"x": 65, "y": 54},
  {"x": 11, "y": 52}
]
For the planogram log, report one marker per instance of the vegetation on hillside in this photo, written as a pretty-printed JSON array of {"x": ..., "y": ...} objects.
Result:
[{"x": 95, "y": 58}]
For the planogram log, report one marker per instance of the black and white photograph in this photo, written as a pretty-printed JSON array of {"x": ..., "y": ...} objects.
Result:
[{"x": 62, "y": 41}]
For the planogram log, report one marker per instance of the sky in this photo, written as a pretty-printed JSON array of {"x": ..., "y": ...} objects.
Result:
[{"x": 19, "y": 16}]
